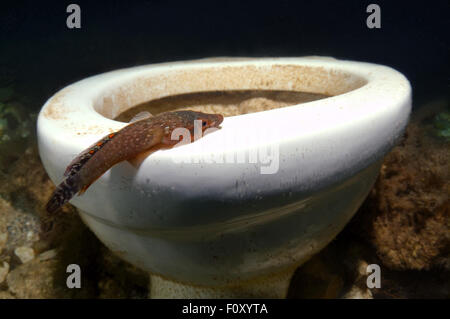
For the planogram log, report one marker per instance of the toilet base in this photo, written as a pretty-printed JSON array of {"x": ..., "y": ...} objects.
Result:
[{"x": 274, "y": 286}]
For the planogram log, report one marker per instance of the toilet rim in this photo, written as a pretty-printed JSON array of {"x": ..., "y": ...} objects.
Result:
[
  {"x": 338, "y": 136},
  {"x": 74, "y": 112}
]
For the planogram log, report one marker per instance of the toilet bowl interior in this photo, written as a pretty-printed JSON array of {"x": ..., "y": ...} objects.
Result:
[{"x": 203, "y": 78}]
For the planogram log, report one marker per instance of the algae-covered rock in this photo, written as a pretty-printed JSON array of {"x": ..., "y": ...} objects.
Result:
[
  {"x": 6, "y": 295},
  {"x": 407, "y": 214},
  {"x": 37, "y": 279},
  {"x": 19, "y": 228},
  {"x": 4, "y": 269},
  {"x": 441, "y": 125},
  {"x": 16, "y": 126}
]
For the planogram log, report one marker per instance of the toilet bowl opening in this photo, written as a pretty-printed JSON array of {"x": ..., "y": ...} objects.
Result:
[
  {"x": 227, "y": 103},
  {"x": 228, "y": 89}
]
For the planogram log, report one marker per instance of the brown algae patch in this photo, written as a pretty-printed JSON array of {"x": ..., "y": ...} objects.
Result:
[{"x": 228, "y": 103}]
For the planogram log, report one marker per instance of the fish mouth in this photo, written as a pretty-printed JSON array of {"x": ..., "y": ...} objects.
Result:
[{"x": 217, "y": 122}]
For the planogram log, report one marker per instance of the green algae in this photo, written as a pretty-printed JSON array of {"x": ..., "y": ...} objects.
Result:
[{"x": 441, "y": 125}]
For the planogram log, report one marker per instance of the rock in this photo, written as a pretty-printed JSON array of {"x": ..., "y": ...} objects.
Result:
[
  {"x": 35, "y": 279},
  {"x": 21, "y": 228},
  {"x": 49, "y": 254},
  {"x": 27, "y": 181},
  {"x": 4, "y": 269},
  {"x": 6, "y": 295},
  {"x": 358, "y": 288},
  {"x": 43, "y": 278},
  {"x": 3, "y": 239},
  {"x": 356, "y": 292},
  {"x": 24, "y": 253}
]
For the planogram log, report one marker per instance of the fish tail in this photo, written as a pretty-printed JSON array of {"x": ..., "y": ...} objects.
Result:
[{"x": 63, "y": 193}]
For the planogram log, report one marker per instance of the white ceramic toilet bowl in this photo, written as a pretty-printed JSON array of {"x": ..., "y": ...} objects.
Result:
[{"x": 288, "y": 182}]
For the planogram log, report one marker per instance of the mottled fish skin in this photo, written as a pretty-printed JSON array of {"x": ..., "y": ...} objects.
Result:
[
  {"x": 138, "y": 137},
  {"x": 84, "y": 156}
]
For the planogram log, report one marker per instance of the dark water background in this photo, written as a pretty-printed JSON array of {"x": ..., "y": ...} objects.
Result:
[{"x": 40, "y": 55}]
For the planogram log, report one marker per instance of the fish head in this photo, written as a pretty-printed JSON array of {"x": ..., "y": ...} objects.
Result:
[
  {"x": 208, "y": 120},
  {"x": 190, "y": 120}
]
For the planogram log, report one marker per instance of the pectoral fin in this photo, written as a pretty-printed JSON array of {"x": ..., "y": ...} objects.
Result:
[
  {"x": 137, "y": 160},
  {"x": 85, "y": 187}
]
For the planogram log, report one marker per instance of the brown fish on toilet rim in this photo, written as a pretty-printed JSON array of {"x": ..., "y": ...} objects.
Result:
[{"x": 145, "y": 134}]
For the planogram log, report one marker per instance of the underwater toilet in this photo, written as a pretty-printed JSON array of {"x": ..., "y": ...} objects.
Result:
[{"x": 236, "y": 212}]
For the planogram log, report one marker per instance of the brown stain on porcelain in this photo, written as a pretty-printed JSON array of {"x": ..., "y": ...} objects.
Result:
[{"x": 55, "y": 109}]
